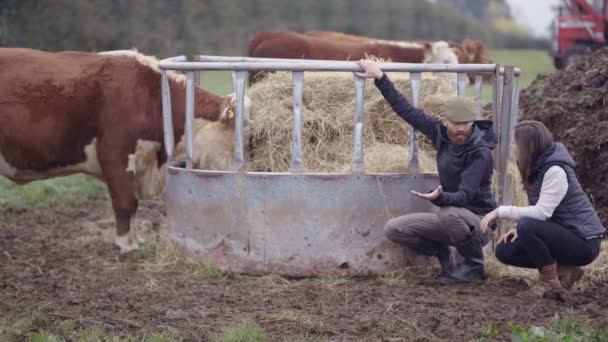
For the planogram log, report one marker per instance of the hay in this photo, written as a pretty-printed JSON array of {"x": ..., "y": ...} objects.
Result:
[
  {"x": 392, "y": 158},
  {"x": 327, "y": 130}
]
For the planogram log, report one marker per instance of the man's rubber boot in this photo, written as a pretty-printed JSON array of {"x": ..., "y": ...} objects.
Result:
[
  {"x": 449, "y": 260},
  {"x": 472, "y": 267},
  {"x": 447, "y": 256}
]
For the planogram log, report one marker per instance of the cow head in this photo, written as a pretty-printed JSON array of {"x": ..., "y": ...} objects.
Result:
[
  {"x": 481, "y": 55},
  {"x": 439, "y": 53},
  {"x": 221, "y": 108},
  {"x": 150, "y": 175},
  {"x": 228, "y": 114},
  {"x": 475, "y": 52}
]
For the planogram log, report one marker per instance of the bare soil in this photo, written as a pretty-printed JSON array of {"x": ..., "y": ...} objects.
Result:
[{"x": 63, "y": 263}]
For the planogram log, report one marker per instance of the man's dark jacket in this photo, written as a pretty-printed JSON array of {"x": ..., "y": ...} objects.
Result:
[{"x": 465, "y": 171}]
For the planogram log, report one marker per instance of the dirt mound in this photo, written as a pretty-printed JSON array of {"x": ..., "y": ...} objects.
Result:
[{"x": 573, "y": 104}]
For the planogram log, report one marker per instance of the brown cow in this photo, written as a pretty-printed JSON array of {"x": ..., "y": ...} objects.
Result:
[
  {"x": 339, "y": 36},
  {"x": 291, "y": 45},
  {"x": 468, "y": 52},
  {"x": 75, "y": 112}
]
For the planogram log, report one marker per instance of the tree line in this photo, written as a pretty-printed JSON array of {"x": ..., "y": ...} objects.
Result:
[{"x": 163, "y": 28}]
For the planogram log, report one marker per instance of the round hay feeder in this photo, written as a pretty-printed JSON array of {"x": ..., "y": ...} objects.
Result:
[{"x": 301, "y": 224}]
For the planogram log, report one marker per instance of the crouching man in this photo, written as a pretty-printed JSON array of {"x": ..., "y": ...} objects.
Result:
[{"x": 465, "y": 164}]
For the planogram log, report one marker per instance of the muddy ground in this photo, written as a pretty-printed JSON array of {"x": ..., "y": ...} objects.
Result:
[{"x": 62, "y": 263}]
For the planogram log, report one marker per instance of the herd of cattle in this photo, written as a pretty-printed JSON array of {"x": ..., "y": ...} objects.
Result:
[{"x": 101, "y": 113}]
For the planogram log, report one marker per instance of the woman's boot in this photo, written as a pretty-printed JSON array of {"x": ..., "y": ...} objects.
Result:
[
  {"x": 568, "y": 275},
  {"x": 549, "y": 282}
]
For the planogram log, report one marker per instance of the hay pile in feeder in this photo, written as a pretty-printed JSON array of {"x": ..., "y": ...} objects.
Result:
[
  {"x": 327, "y": 128},
  {"x": 327, "y": 125}
]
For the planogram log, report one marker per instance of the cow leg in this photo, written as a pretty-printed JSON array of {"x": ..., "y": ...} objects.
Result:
[
  {"x": 121, "y": 186},
  {"x": 126, "y": 235}
]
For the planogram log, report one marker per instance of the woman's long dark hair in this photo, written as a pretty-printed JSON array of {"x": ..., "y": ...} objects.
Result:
[{"x": 532, "y": 139}]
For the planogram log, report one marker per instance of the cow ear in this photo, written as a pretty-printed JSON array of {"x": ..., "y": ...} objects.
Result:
[{"x": 226, "y": 115}]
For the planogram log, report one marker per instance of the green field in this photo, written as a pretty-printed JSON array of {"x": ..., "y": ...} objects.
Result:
[
  {"x": 531, "y": 63},
  {"x": 219, "y": 82},
  {"x": 69, "y": 191}
]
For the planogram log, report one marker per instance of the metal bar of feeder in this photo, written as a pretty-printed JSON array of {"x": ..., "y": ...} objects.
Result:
[
  {"x": 478, "y": 93},
  {"x": 462, "y": 82},
  {"x": 239, "y": 90},
  {"x": 413, "y": 162},
  {"x": 496, "y": 105},
  {"x": 295, "y": 65},
  {"x": 357, "y": 163},
  {"x": 167, "y": 116},
  {"x": 189, "y": 118},
  {"x": 515, "y": 99},
  {"x": 233, "y": 75},
  {"x": 506, "y": 196},
  {"x": 506, "y": 128},
  {"x": 297, "y": 163}
]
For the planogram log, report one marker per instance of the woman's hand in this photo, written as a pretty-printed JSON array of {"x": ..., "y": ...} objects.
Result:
[
  {"x": 430, "y": 196},
  {"x": 370, "y": 69},
  {"x": 488, "y": 220},
  {"x": 505, "y": 238}
]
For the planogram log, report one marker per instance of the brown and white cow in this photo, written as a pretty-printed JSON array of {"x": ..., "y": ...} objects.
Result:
[
  {"x": 292, "y": 45},
  {"x": 213, "y": 150},
  {"x": 75, "y": 112},
  {"x": 468, "y": 52}
]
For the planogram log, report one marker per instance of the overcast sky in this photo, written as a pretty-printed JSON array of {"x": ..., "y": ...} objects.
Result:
[{"x": 534, "y": 14}]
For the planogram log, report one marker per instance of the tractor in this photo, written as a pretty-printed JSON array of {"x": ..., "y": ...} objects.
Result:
[{"x": 581, "y": 27}]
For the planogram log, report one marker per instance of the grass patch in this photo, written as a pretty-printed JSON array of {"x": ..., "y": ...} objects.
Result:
[
  {"x": 44, "y": 336},
  {"x": 488, "y": 334},
  {"x": 560, "y": 329},
  {"x": 35, "y": 327},
  {"x": 96, "y": 335},
  {"x": 24, "y": 327},
  {"x": 159, "y": 254},
  {"x": 296, "y": 321},
  {"x": 53, "y": 193},
  {"x": 219, "y": 82},
  {"x": 531, "y": 62},
  {"x": 567, "y": 329},
  {"x": 242, "y": 332},
  {"x": 397, "y": 329}
]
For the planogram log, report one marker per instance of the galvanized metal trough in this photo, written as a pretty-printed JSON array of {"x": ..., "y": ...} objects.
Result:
[{"x": 302, "y": 224}]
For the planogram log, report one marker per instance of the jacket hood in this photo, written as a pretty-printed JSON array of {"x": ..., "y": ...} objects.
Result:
[{"x": 482, "y": 136}]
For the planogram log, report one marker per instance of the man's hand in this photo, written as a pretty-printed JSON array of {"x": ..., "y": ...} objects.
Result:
[
  {"x": 370, "y": 69},
  {"x": 505, "y": 238},
  {"x": 430, "y": 196},
  {"x": 488, "y": 220}
]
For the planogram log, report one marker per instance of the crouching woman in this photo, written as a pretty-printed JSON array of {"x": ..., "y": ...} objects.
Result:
[{"x": 560, "y": 231}]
